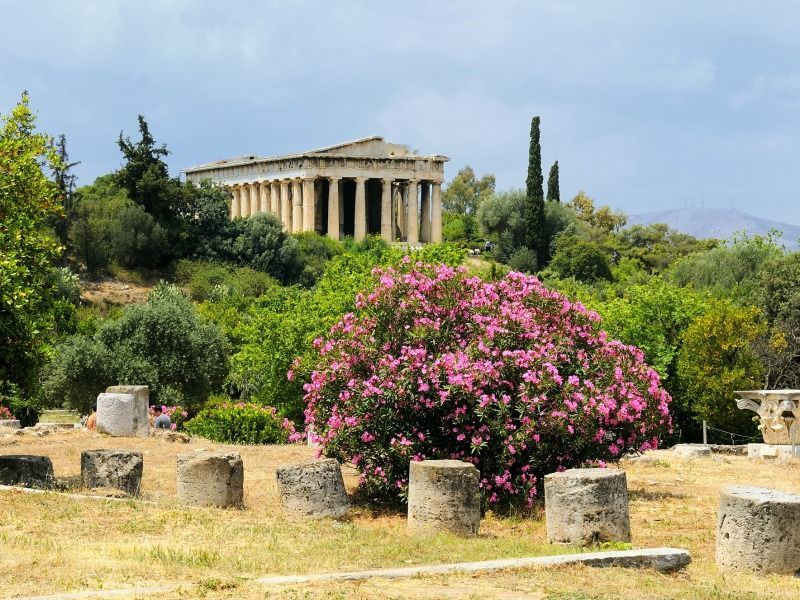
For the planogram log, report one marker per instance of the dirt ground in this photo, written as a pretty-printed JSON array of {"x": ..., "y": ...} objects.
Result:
[{"x": 50, "y": 543}]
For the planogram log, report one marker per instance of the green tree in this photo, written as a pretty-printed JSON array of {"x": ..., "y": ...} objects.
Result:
[
  {"x": 585, "y": 261},
  {"x": 553, "y": 191},
  {"x": 657, "y": 246},
  {"x": 261, "y": 243},
  {"x": 465, "y": 193},
  {"x": 534, "y": 205},
  {"x": 28, "y": 199},
  {"x": 502, "y": 219},
  {"x": 602, "y": 218},
  {"x": 65, "y": 181}
]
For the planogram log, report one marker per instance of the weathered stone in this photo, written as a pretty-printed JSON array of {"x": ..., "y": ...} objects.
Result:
[
  {"x": 9, "y": 424},
  {"x": 26, "y": 470},
  {"x": 313, "y": 489},
  {"x": 758, "y": 530},
  {"x": 444, "y": 495},
  {"x": 587, "y": 506},
  {"x": 121, "y": 469},
  {"x": 141, "y": 404},
  {"x": 170, "y": 436},
  {"x": 692, "y": 450},
  {"x": 773, "y": 451},
  {"x": 210, "y": 478},
  {"x": 116, "y": 414}
]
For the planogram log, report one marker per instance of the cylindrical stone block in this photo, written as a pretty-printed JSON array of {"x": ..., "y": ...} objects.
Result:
[
  {"x": 26, "y": 470},
  {"x": 210, "y": 478},
  {"x": 116, "y": 414},
  {"x": 444, "y": 495},
  {"x": 587, "y": 506},
  {"x": 314, "y": 489},
  {"x": 121, "y": 469},
  {"x": 758, "y": 530},
  {"x": 141, "y": 404}
]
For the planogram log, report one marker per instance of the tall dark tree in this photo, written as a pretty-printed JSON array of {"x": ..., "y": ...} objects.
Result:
[
  {"x": 553, "y": 192},
  {"x": 534, "y": 205},
  {"x": 65, "y": 182}
]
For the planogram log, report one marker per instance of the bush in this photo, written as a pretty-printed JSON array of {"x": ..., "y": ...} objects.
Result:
[
  {"x": 509, "y": 376},
  {"x": 523, "y": 260},
  {"x": 210, "y": 280},
  {"x": 315, "y": 251},
  {"x": 261, "y": 243},
  {"x": 241, "y": 424},
  {"x": 584, "y": 261}
]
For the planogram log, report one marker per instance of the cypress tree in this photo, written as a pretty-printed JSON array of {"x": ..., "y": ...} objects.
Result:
[
  {"x": 534, "y": 205},
  {"x": 553, "y": 193}
]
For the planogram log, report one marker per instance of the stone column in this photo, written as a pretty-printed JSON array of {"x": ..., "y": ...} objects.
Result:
[
  {"x": 318, "y": 224},
  {"x": 286, "y": 207},
  {"x": 412, "y": 234},
  {"x": 264, "y": 186},
  {"x": 386, "y": 211},
  {"x": 400, "y": 207},
  {"x": 235, "y": 202},
  {"x": 436, "y": 212},
  {"x": 275, "y": 197},
  {"x": 360, "y": 225},
  {"x": 425, "y": 208},
  {"x": 244, "y": 200},
  {"x": 297, "y": 206},
  {"x": 333, "y": 208},
  {"x": 309, "y": 208}
]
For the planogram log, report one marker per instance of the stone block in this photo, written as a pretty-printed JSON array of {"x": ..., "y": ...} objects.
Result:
[
  {"x": 141, "y": 395},
  {"x": 26, "y": 470},
  {"x": 773, "y": 451},
  {"x": 444, "y": 495},
  {"x": 587, "y": 506},
  {"x": 210, "y": 478},
  {"x": 121, "y": 469},
  {"x": 758, "y": 530},
  {"x": 313, "y": 489},
  {"x": 692, "y": 450},
  {"x": 9, "y": 424},
  {"x": 116, "y": 415}
]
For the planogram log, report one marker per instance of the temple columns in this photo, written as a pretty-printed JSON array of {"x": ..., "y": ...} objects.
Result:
[
  {"x": 275, "y": 197},
  {"x": 244, "y": 201},
  {"x": 235, "y": 202},
  {"x": 425, "y": 209},
  {"x": 286, "y": 207},
  {"x": 297, "y": 206},
  {"x": 386, "y": 210},
  {"x": 400, "y": 208},
  {"x": 333, "y": 208},
  {"x": 412, "y": 235},
  {"x": 309, "y": 208},
  {"x": 264, "y": 189},
  {"x": 436, "y": 213},
  {"x": 360, "y": 224}
]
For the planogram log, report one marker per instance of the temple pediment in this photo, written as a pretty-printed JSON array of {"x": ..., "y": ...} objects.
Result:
[{"x": 374, "y": 146}]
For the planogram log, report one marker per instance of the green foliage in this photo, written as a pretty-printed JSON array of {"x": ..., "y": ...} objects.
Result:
[
  {"x": 465, "y": 193},
  {"x": 716, "y": 358},
  {"x": 161, "y": 344},
  {"x": 208, "y": 280},
  {"x": 523, "y": 260},
  {"x": 240, "y": 423},
  {"x": 25, "y": 408},
  {"x": 459, "y": 228},
  {"x": 534, "y": 205},
  {"x": 27, "y": 249},
  {"x": 553, "y": 191},
  {"x": 446, "y": 253},
  {"x": 502, "y": 218},
  {"x": 585, "y": 261},
  {"x": 315, "y": 251},
  {"x": 261, "y": 243},
  {"x": 657, "y": 246},
  {"x": 602, "y": 218}
]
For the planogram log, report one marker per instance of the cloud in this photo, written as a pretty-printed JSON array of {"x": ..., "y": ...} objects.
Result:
[{"x": 782, "y": 89}]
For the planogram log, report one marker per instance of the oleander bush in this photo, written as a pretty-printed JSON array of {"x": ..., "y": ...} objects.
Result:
[
  {"x": 241, "y": 423},
  {"x": 508, "y": 375}
]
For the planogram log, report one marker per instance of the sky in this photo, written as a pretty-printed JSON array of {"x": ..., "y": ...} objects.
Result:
[{"x": 647, "y": 105}]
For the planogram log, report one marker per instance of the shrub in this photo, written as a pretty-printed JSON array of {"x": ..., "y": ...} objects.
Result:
[
  {"x": 209, "y": 280},
  {"x": 241, "y": 424},
  {"x": 509, "y": 376},
  {"x": 5, "y": 413},
  {"x": 261, "y": 243},
  {"x": 584, "y": 261},
  {"x": 177, "y": 416},
  {"x": 523, "y": 260}
]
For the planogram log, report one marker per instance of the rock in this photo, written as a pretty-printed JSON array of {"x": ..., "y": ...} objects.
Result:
[
  {"x": 210, "y": 478},
  {"x": 121, "y": 469},
  {"x": 9, "y": 424},
  {"x": 587, "y": 506},
  {"x": 116, "y": 414},
  {"x": 444, "y": 495},
  {"x": 26, "y": 470},
  {"x": 141, "y": 395},
  {"x": 758, "y": 529},
  {"x": 171, "y": 436},
  {"x": 313, "y": 489},
  {"x": 692, "y": 450},
  {"x": 773, "y": 451}
]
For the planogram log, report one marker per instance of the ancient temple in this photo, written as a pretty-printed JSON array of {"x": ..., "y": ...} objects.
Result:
[{"x": 368, "y": 186}]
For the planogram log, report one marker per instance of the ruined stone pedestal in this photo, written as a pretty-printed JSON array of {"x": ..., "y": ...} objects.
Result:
[
  {"x": 210, "y": 478},
  {"x": 758, "y": 530},
  {"x": 119, "y": 469},
  {"x": 444, "y": 495},
  {"x": 692, "y": 450},
  {"x": 9, "y": 424},
  {"x": 26, "y": 470},
  {"x": 116, "y": 415},
  {"x": 314, "y": 489},
  {"x": 141, "y": 404},
  {"x": 587, "y": 506},
  {"x": 773, "y": 451}
]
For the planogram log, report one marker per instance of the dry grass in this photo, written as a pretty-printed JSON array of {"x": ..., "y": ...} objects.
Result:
[{"x": 50, "y": 543}]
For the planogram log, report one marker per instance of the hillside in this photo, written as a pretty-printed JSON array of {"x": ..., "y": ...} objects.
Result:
[{"x": 719, "y": 223}]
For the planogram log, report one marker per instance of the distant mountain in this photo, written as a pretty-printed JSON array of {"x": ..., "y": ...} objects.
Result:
[{"x": 719, "y": 223}]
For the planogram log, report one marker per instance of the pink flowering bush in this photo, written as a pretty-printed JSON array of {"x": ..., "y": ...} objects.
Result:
[
  {"x": 510, "y": 376},
  {"x": 5, "y": 413},
  {"x": 177, "y": 416}
]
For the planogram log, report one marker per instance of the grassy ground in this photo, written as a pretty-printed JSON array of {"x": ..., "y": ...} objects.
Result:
[{"x": 50, "y": 543}]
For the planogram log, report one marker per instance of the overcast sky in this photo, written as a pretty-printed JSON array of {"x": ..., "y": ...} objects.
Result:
[{"x": 646, "y": 105}]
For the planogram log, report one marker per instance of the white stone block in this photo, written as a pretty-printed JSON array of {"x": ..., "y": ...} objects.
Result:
[
  {"x": 444, "y": 495},
  {"x": 141, "y": 396},
  {"x": 692, "y": 450},
  {"x": 9, "y": 424},
  {"x": 116, "y": 415}
]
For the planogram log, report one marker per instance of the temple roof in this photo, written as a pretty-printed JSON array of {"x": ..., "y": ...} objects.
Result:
[{"x": 368, "y": 147}]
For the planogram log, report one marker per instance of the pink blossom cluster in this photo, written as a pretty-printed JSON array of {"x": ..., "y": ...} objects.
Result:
[
  {"x": 507, "y": 375},
  {"x": 5, "y": 413}
]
